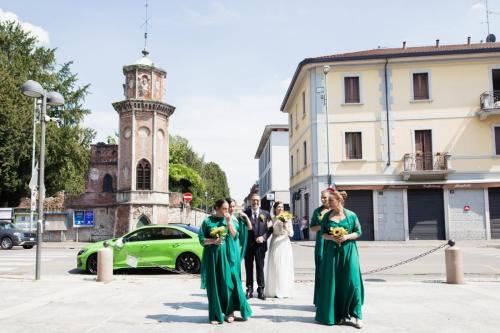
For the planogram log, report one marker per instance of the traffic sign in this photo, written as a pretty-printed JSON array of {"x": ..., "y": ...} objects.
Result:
[{"x": 188, "y": 196}]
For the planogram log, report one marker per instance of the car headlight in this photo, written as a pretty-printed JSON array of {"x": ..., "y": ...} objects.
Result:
[{"x": 82, "y": 251}]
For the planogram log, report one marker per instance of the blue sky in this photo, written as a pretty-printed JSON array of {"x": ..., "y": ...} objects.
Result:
[{"x": 229, "y": 62}]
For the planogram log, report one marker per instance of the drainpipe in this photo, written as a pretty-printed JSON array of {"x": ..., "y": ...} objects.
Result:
[{"x": 387, "y": 114}]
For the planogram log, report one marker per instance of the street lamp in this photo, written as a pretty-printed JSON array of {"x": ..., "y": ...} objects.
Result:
[
  {"x": 326, "y": 69},
  {"x": 206, "y": 201},
  {"x": 35, "y": 90}
]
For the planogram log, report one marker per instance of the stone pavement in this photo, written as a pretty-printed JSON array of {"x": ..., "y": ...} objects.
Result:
[{"x": 174, "y": 303}]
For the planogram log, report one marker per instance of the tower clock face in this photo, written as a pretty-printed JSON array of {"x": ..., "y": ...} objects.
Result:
[
  {"x": 127, "y": 133},
  {"x": 94, "y": 174}
]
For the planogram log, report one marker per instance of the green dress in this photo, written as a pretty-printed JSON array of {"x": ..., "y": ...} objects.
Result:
[
  {"x": 220, "y": 273},
  {"x": 242, "y": 235},
  {"x": 342, "y": 292},
  {"x": 318, "y": 249}
]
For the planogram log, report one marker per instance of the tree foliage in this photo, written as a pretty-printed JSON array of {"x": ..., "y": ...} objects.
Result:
[
  {"x": 67, "y": 143},
  {"x": 213, "y": 179}
]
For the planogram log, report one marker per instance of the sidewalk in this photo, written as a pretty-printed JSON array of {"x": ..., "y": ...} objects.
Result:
[
  {"x": 311, "y": 243},
  {"x": 175, "y": 303}
]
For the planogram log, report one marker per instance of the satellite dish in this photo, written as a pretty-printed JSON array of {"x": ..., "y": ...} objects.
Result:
[{"x": 491, "y": 38}]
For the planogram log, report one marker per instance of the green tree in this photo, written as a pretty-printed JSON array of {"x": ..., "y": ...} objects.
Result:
[
  {"x": 184, "y": 179},
  {"x": 181, "y": 153},
  {"x": 215, "y": 182},
  {"x": 67, "y": 144}
]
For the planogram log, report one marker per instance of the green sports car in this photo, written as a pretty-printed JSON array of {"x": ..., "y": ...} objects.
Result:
[{"x": 173, "y": 246}]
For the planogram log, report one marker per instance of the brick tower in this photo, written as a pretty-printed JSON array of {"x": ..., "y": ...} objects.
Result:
[{"x": 142, "y": 190}]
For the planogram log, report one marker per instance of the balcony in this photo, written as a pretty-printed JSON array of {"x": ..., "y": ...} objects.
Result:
[
  {"x": 490, "y": 104},
  {"x": 425, "y": 166}
]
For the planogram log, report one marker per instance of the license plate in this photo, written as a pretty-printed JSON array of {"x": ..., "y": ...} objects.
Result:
[
  {"x": 32, "y": 239},
  {"x": 131, "y": 261}
]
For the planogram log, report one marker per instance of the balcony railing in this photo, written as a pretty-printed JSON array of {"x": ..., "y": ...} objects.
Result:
[
  {"x": 425, "y": 166},
  {"x": 490, "y": 104}
]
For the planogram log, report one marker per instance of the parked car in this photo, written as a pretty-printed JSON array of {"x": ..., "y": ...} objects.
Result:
[
  {"x": 11, "y": 236},
  {"x": 174, "y": 246}
]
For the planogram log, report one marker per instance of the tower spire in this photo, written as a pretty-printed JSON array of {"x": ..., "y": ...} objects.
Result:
[{"x": 145, "y": 51}]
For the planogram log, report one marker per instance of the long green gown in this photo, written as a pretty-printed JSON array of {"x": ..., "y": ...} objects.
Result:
[
  {"x": 220, "y": 273},
  {"x": 318, "y": 250},
  {"x": 341, "y": 293}
]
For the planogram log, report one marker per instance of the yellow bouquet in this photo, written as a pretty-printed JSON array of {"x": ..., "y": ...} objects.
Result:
[
  {"x": 338, "y": 231},
  {"x": 285, "y": 217},
  {"x": 218, "y": 232}
]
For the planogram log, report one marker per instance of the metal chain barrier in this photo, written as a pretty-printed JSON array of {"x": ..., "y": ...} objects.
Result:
[{"x": 449, "y": 243}]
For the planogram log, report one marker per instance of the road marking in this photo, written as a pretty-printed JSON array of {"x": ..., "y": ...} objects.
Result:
[{"x": 492, "y": 268}]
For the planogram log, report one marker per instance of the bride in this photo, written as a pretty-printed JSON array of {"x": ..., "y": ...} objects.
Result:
[{"x": 279, "y": 266}]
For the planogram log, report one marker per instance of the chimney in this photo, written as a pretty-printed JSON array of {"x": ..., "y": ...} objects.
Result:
[
  {"x": 468, "y": 40},
  {"x": 404, "y": 45},
  {"x": 437, "y": 42}
]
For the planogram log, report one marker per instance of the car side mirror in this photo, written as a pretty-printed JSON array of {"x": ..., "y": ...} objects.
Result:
[{"x": 119, "y": 243}]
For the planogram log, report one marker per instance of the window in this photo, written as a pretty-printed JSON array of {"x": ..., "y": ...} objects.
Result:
[
  {"x": 168, "y": 233},
  {"x": 497, "y": 140},
  {"x": 353, "y": 149},
  {"x": 296, "y": 117},
  {"x": 143, "y": 175},
  {"x": 420, "y": 86},
  {"x": 305, "y": 153},
  {"x": 297, "y": 160},
  {"x": 291, "y": 165},
  {"x": 351, "y": 88},
  {"x": 291, "y": 124},
  {"x": 107, "y": 183},
  {"x": 303, "y": 104},
  {"x": 140, "y": 235}
]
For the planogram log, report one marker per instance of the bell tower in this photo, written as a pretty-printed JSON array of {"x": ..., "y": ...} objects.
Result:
[{"x": 142, "y": 189}]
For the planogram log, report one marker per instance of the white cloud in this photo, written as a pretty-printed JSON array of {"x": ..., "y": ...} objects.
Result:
[
  {"x": 216, "y": 14},
  {"x": 104, "y": 122},
  {"x": 227, "y": 131},
  {"x": 40, "y": 33}
]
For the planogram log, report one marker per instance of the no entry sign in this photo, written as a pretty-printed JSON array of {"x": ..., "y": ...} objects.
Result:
[{"x": 188, "y": 196}]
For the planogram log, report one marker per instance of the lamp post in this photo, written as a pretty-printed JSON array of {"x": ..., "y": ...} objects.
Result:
[
  {"x": 33, "y": 89},
  {"x": 326, "y": 69},
  {"x": 206, "y": 201}
]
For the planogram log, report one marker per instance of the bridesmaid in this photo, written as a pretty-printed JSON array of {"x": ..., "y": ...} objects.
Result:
[
  {"x": 244, "y": 224},
  {"x": 220, "y": 267},
  {"x": 342, "y": 292},
  {"x": 318, "y": 248}
]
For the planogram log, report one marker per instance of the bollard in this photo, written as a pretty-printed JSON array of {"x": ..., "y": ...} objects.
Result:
[
  {"x": 454, "y": 264},
  {"x": 105, "y": 264}
]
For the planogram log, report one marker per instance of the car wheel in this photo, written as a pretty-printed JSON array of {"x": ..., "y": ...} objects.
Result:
[
  {"x": 6, "y": 243},
  {"x": 92, "y": 264},
  {"x": 27, "y": 247},
  {"x": 188, "y": 262}
]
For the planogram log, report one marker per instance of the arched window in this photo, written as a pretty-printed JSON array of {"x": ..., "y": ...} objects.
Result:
[
  {"x": 107, "y": 183},
  {"x": 143, "y": 221},
  {"x": 143, "y": 175}
]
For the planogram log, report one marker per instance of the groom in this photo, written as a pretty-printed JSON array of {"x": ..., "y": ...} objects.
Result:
[{"x": 262, "y": 227}]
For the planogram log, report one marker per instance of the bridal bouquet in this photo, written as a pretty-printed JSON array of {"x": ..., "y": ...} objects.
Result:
[
  {"x": 285, "y": 217},
  {"x": 218, "y": 232},
  {"x": 338, "y": 231}
]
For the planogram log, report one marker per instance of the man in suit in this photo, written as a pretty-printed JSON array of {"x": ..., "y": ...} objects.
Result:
[{"x": 262, "y": 228}]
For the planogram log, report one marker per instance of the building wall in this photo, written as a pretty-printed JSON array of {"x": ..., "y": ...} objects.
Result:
[
  {"x": 390, "y": 217},
  {"x": 125, "y": 148},
  {"x": 467, "y": 224},
  {"x": 280, "y": 166}
]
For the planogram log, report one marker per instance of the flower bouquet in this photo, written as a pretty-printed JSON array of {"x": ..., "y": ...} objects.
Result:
[
  {"x": 219, "y": 232},
  {"x": 338, "y": 231},
  {"x": 285, "y": 216}
]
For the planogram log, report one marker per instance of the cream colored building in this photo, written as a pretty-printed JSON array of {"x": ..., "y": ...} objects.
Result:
[{"x": 413, "y": 136}]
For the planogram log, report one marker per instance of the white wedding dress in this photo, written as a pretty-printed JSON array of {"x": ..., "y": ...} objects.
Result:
[{"x": 279, "y": 268}]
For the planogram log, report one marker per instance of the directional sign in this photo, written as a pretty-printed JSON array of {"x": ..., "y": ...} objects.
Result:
[{"x": 188, "y": 197}]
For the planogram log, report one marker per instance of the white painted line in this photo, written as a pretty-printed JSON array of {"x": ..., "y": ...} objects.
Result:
[
  {"x": 7, "y": 269},
  {"x": 17, "y": 263}
]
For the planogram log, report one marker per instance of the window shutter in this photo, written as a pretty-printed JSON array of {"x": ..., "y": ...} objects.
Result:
[
  {"x": 351, "y": 87},
  {"x": 497, "y": 140},
  {"x": 420, "y": 86}
]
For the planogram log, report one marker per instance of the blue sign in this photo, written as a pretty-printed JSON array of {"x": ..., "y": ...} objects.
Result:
[{"x": 83, "y": 218}]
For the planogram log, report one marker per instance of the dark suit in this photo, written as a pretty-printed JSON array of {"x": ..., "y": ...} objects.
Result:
[{"x": 256, "y": 251}]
